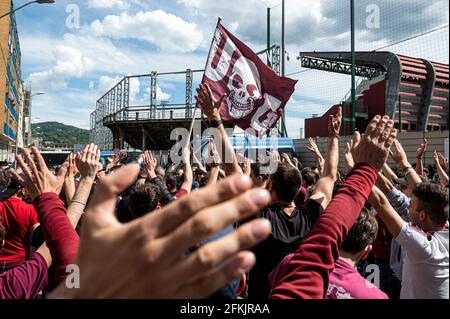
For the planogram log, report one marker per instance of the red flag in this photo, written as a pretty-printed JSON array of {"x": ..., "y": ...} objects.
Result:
[{"x": 257, "y": 95}]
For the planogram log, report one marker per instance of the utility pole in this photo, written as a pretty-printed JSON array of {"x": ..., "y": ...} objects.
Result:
[
  {"x": 283, "y": 60},
  {"x": 268, "y": 38},
  {"x": 352, "y": 26}
]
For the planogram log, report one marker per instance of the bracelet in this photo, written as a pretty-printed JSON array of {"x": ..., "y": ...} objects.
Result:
[
  {"x": 335, "y": 135},
  {"x": 75, "y": 201},
  {"x": 215, "y": 123}
]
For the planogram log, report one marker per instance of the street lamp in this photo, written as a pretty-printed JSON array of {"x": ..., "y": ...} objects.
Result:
[
  {"x": 38, "y": 93},
  {"x": 27, "y": 4}
]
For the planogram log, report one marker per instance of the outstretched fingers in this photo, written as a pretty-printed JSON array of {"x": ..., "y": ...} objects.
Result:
[
  {"x": 211, "y": 282},
  {"x": 104, "y": 200},
  {"x": 213, "y": 255},
  {"x": 372, "y": 126},
  {"x": 378, "y": 132},
  {"x": 175, "y": 214},
  {"x": 213, "y": 219},
  {"x": 39, "y": 159}
]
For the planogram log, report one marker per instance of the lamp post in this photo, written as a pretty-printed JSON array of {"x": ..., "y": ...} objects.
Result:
[
  {"x": 38, "y": 93},
  {"x": 27, "y": 4}
]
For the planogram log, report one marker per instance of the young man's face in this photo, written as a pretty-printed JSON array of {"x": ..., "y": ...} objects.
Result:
[{"x": 414, "y": 214}]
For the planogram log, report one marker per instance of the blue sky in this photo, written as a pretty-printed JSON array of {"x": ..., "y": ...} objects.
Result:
[{"x": 76, "y": 64}]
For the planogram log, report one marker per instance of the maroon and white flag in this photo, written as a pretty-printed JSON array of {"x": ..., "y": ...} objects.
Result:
[{"x": 257, "y": 95}]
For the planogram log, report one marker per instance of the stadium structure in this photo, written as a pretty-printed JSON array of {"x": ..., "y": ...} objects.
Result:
[{"x": 412, "y": 91}]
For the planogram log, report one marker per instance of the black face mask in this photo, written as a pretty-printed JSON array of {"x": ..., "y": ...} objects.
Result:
[{"x": 28, "y": 200}]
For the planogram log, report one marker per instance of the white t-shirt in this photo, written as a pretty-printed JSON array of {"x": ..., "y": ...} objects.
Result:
[{"x": 425, "y": 264}]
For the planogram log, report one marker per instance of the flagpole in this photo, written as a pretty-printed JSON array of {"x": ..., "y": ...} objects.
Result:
[{"x": 219, "y": 19}]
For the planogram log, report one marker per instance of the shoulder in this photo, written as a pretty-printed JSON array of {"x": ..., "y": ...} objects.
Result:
[
  {"x": 311, "y": 207},
  {"x": 267, "y": 212}
]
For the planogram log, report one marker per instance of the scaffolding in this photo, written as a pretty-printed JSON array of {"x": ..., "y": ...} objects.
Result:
[{"x": 114, "y": 105}]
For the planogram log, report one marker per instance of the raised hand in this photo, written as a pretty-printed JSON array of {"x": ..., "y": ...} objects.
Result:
[
  {"x": 36, "y": 177},
  {"x": 296, "y": 162},
  {"x": 213, "y": 153},
  {"x": 398, "y": 154},
  {"x": 373, "y": 148},
  {"x": 209, "y": 105},
  {"x": 348, "y": 157},
  {"x": 150, "y": 164},
  {"x": 158, "y": 266},
  {"x": 422, "y": 149},
  {"x": 286, "y": 159},
  {"x": 443, "y": 161},
  {"x": 88, "y": 161},
  {"x": 312, "y": 146},
  {"x": 334, "y": 123},
  {"x": 436, "y": 158},
  {"x": 247, "y": 167},
  {"x": 72, "y": 169},
  {"x": 186, "y": 155},
  {"x": 275, "y": 156}
]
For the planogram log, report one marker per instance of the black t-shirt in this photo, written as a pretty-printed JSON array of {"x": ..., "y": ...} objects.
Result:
[{"x": 287, "y": 234}]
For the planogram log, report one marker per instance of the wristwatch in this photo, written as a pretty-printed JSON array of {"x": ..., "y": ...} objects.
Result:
[{"x": 215, "y": 123}]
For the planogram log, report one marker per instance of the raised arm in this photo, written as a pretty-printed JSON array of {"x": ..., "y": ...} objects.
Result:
[
  {"x": 215, "y": 161},
  {"x": 211, "y": 107},
  {"x": 394, "y": 223},
  {"x": 389, "y": 173},
  {"x": 199, "y": 165},
  {"x": 314, "y": 149},
  {"x": 44, "y": 188},
  {"x": 187, "y": 168},
  {"x": 308, "y": 272},
  {"x": 150, "y": 164},
  {"x": 443, "y": 177},
  {"x": 323, "y": 190},
  {"x": 88, "y": 164},
  {"x": 69, "y": 179},
  {"x": 399, "y": 156},
  {"x": 419, "y": 157}
]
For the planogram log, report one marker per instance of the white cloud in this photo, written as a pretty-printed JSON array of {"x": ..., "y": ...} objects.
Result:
[
  {"x": 107, "y": 4},
  {"x": 106, "y": 83},
  {"x": 69, "y": 63},
  {"x": 190, "y": 3},
  {"x": 164, "y": 30},
  {"x": 311, "y": 25},
  {"x": 162, "y": 96}
]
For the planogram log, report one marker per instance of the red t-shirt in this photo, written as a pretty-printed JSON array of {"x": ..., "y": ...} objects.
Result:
[{"x": 18, "y": 218}]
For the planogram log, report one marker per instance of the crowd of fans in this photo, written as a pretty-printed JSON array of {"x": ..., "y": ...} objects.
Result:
[{"x": 227, "y": 226}]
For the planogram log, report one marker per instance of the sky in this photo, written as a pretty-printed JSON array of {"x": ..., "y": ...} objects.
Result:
[{"x": 75, "y": 51}]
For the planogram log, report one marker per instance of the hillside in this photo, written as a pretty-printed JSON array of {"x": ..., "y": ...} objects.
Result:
[{"x": 59, "y": 133}]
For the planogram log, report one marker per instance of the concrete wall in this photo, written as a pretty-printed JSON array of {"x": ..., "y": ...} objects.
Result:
[{"x": 410, "y": 142}]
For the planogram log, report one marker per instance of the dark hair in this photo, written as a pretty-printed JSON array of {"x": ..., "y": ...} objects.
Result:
[
  {"x": 171, "y": 181},
  {"x": 286, "y": 182},
  {"x": 256, "y": 170},
  {"x": 309, "y": 177},
  {"x": 434, "y": 200},
  {"x": 362, "y": 233},
  {"x": 2, "y": 235},
  {"x": 143, "y": 199}
]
